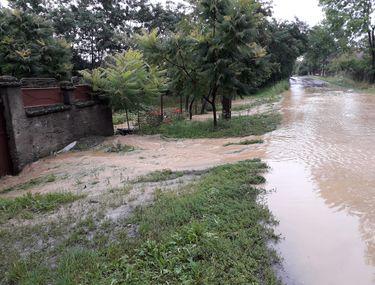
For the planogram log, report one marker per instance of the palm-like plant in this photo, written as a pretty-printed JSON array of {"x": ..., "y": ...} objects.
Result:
[{"x": 128, "y": 81}]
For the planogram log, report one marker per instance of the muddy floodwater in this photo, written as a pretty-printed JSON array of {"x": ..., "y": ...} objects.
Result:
[{"x": 322, "y": 163}]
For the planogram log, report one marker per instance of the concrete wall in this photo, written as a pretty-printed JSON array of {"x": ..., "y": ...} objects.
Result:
[{"x": 38, "y": 131}]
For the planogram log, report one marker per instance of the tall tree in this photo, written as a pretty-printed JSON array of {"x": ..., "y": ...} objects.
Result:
[
  {"x": 28, "y": 47},
  {"x": 355, "y": 18}
]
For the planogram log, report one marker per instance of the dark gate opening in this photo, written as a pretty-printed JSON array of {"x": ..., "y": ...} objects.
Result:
[{"x": 5, "y": 163}]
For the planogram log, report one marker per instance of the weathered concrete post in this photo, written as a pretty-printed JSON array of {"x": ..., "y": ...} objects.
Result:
[
  {"x": 67, "y": 89},
  {"x": 11, "y": 97}
]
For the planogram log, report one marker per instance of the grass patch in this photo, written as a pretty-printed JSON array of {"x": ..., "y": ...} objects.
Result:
[
  {"x": 246, "y": 142},
  {"x": 160, "y": 175},
  {"x": 348, "y": 83},
  {"x": 236, "y": 127},
  {"x": 30, "y": 204},
  {"x": 32, "y": 183},
  {"x": 266, "y": 95},
  {"x": 213, "y": 232}
]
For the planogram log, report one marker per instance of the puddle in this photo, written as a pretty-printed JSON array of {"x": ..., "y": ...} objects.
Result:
[{"x": 323, "y": 170}]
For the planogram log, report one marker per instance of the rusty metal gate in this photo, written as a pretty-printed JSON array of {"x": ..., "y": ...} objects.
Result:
[{"x": 5, "y": 164}]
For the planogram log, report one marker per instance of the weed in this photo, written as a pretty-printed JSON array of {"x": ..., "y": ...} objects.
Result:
[
  {"x": 158, "y": 176},
  {"x": 245, "y": 142}
]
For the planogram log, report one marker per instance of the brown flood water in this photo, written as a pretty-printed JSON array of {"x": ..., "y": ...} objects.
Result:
[{"x": 323, "y": 171}]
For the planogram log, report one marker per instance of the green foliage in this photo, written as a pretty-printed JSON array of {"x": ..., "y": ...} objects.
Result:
[
  {"x": 286, "y": 42},
  {"x": 236, "y": 127},
  {"x": 128, "y": 80},
  {"x": 28, "y": 47},
  {"x": 97, "y": 28},
  {"x": 29, "y": 204}
]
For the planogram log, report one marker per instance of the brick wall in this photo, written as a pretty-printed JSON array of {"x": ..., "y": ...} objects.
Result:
[{"x": 42, "y": 118}]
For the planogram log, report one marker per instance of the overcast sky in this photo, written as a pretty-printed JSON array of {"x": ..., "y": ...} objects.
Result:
[{"x": 305, "y": 10}]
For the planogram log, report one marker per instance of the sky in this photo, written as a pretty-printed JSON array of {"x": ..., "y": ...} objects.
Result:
[{"x": 306, "y": 10}]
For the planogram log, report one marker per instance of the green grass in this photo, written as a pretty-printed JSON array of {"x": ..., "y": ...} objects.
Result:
[
  {"x": 31, "y": 183},
  {"x": 29, "y": 204},
  {"x": 160, "y": 175},
  {"x": 266, "y": 95},
  {"x": 348, "y": 83},
  {"x": 214, "y": 231},
  {"x": 245, "y": 142},
  {"x": 236, "y": 127}
]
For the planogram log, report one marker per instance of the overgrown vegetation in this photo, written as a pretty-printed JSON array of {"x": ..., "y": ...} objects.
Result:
[
  {"x": 348, "y": 83},
  {"x": 214, "y": 231},
  {"x": 29, "y": 204},
  {"x": 343, "y": 44},
  {"x": 237, "y": 127}
]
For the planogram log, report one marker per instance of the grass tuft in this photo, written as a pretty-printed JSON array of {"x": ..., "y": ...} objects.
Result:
[
  {"x": 29, "y": 204},
  {"x": 236, "y": 127},
  {"x": 245, "y": 142},
  {"x": 160, "y": 175}
]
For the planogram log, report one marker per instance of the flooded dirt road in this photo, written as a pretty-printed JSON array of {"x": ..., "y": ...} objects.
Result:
[{"x": 323, "y": 171}]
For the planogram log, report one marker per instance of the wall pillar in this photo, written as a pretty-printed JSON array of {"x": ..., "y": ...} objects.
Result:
[
  {"x": 67, "y": 89},
  {"x": 11, "y": 96}
]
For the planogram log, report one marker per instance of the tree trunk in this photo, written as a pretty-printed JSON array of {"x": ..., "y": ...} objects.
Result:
[
  {"x": 181, "y": 104},
  {"x": 204, "y": 104},
  {"x": 191, "y": 109},
  {"x": 127, "y": 118},
  {"x": 214, "y": 113},
  {"x": 371, "y": 39},
  {"x": 139, "y": 120},
  {"x": 187, "y": 103},
  {"x": 161, "y": 108},
  {"x": 214, "y": 93},
  {"x": 226, "y": 103}
]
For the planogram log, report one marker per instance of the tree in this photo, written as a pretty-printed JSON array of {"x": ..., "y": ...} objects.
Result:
[
  {"x": 213, "y": 55},
  {"x": 353, "y": 19},
  {"x": 29, "y": 48},
  {"x": 321, "y": 49},
  {"x": 96, "y": 28},
  {"x": 285, "y": 42},
  {"x": 128, "y": 81}
]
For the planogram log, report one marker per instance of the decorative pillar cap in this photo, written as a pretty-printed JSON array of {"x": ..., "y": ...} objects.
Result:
[
  {"x": 9, "y": 81},
  {"x": 66, "y": 85}
]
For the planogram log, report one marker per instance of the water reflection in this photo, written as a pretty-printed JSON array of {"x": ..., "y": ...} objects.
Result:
[{"x": 323, "y": 161}]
